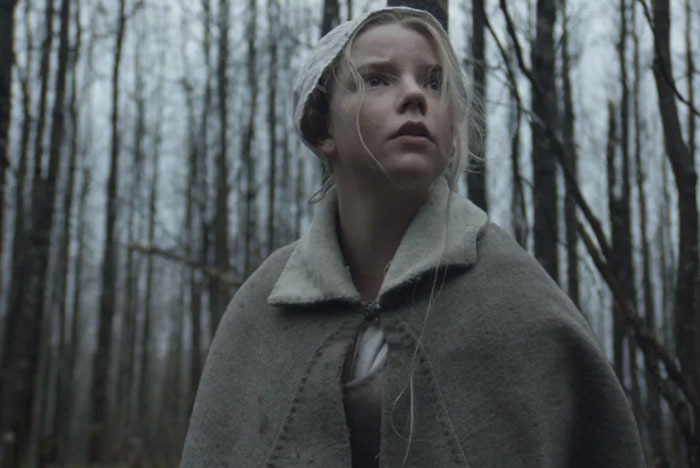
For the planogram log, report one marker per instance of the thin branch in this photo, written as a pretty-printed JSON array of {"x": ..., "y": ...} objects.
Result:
[
  {"x": 561, "y": 150},
  {"x": 650, "y": 346},
  {"x": 511, "y": 74},
  {"x": 665, "y": 69},
  {"x": 518, "y": 49},
  {"x": 652, "y": 350},
  {"x": 226, "y": 276}
]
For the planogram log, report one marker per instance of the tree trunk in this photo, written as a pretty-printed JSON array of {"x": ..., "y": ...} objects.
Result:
[
  {"x": 20, "y": 358},
  {"x": 219, "y": 293},
  {"x": 437, "y": 8},
  {"x": 273, "y": 21},
  {"x": 64, "y": 371},
  {"x": 127, "y": 345},
  {"x": 620, "y": 220},
  {"x": 544, "y": 106},
  {"x": 7, "y": 23},
  {"x": 568, "y": 134},
  {"x": 65, "y": 436},
  {"x": 618, "y": 324},
  {"x": 653, "y": 408},
  {"x": 99, "y": 436},
  {"x": 286, "y": 208},
  {"x": 8, "y": 447},
  {"x": 686, "y": 307},
  {"x": 250, "y": 225},
  {"x": 518, "y": 206},
  {"x": 654, "y": 420},
  {"x": 146, "y": 374},
  {"x": 19, "y": 238},
  {"x": 331, "y": 16},
  {"x": 689, "y": 75},
  {"x": 193, "y": 249},
  {"x": 168, "y": 414},
  {"x": 476, "y": 176},
  {"x": 198, "y": 167}
]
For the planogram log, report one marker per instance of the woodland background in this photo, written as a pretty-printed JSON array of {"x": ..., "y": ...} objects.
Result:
[{"x": 148, "y": 164}]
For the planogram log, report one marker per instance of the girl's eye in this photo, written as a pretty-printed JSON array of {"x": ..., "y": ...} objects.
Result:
[
  {"x": 374, "y": 80},
  {"x": 434, "y": 82}
]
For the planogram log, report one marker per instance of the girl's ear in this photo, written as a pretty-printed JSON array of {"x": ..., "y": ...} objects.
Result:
[{"x": 327, "y": 146}]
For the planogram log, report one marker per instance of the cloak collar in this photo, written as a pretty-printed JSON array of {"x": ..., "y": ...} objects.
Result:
[{"x": 315, "y": 271}]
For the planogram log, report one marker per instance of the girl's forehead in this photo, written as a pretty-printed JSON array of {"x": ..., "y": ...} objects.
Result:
[{"x": 385, "y": 41}]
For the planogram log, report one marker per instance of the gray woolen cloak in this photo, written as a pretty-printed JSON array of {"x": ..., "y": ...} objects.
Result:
[{"x": 509, "y": 373}]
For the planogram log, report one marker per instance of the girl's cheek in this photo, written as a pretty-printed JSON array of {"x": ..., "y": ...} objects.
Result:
[{"x": 345, "y": 115}]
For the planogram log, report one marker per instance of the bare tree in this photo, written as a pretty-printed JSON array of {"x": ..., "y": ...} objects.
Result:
[
  {"x": 19, "y": 238},
  {"x": 653, "y": 407},
  {"x": 544, "y": 107},
  {"x": 619, "y": 195},
  {"x": 18, "y": 267},
  {"x": 689, "y": 74},
  {"x": 273, "y": 24},
  {"x": 23, "y": 329},
  {"x": 331, "y": 15},
  {"x": 437, "y": 8},
  {"x": 127, "y": 346},
  {"x": 99, "y": 437},
  {"x": 7, "y": 24},
  {"x": 476, "y": 176},
  {"x": 286, "y": 207},
  {"x": 64, "y": 366},
  {"x": 8, "y": 449},
  {"x": 67, "y": 428},
  {"x": 686, "y": 307},
  {"x": 146, "y": 368},
  {"x": 20, "y": 208},
  {"x": 676, "y": 387},
  {"x": 249, "y": 227},
  {"x": 219, "y": 293},
  {"x": 568, "y": 135},
  {"x": 198, "y": 175},
  {"x": 170, "y": 414}
]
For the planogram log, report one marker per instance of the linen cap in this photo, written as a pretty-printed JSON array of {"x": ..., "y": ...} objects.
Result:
[{"x": 328, "y": 49}]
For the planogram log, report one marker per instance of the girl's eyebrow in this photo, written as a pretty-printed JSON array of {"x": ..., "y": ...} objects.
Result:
[
  {"x": 377, "y": 65},
  {"x": 390, "y": 65}
]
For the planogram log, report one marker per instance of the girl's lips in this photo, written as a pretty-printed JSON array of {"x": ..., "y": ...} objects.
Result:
[
  {"x": 413, "y": 128},
  {"x": 412, "y": 139}
]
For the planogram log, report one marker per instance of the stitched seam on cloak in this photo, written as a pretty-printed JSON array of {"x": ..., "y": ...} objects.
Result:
[
  {"x": 282, "y": 438},
  {"x": 449, "y": 431}
]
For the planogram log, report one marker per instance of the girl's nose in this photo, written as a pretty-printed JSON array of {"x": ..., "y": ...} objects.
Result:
[{"x": 412, "y": 97}]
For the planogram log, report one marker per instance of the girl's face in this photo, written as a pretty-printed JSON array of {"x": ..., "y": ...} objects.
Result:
[{"x": 403, "y": 123}]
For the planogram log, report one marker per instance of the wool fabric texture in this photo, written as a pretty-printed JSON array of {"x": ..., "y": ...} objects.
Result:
[{"x": 508, "y": 373}]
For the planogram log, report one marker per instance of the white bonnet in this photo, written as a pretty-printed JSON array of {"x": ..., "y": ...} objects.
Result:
[{"x": 325, "y": 53}]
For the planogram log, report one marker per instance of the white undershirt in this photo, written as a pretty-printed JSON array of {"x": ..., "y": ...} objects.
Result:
[{"x": 370, "y": 352}]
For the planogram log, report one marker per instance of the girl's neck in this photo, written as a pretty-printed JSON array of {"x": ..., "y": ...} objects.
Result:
[{"x": 370, "y": 229}]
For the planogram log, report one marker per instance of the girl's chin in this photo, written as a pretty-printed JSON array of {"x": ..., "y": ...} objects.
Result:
[
  {"x": 412, "y": 174},
  {"x": 406, "y": 181}
]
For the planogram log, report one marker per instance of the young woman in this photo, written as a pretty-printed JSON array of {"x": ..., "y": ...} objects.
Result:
[{"x": 403, "y": 329}]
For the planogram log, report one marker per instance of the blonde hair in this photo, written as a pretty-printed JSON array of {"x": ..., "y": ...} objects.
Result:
[{"x": 466, "y": 124}]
